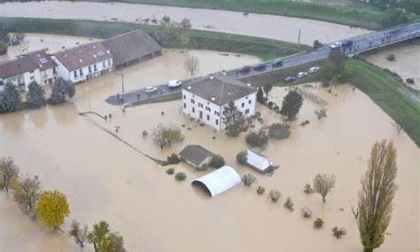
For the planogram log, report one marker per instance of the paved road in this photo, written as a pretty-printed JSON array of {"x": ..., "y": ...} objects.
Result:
[{"x": 360, "y": 44}]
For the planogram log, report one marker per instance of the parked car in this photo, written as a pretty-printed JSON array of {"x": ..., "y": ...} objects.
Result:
[
  {"x": 301, "y": 74},
  {"x": 289, "y": 79},
  {"x": 348, "y": 43},
  {"x": 277, "y": 63},
  {"x": 336, "y": 45},
  {"x": 260, "y": 67},
  {"x": 313, "y": 69},
  {"x": 174, "y": 83},
  {"x": 245, "y": 70},
  {"x": 151, "y": 89}
]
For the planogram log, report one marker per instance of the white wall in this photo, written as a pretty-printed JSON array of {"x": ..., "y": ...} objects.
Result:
[
  {"x": 211, "y": 113},
  {"x": 25, "y": 79}
]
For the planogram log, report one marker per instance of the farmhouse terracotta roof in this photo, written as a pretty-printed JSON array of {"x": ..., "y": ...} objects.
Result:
[
  {"x": 83, "y": 55},
  {"x": 131, "y": 46},
  {"x": 219, "y": 89},
  {"x": 42, "y": 58},
  {"x": 195, "y": 154},
  {"x": 17, "y": 67}
]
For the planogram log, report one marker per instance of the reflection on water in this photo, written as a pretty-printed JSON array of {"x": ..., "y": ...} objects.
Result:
[{"x": 104, "y": 179}]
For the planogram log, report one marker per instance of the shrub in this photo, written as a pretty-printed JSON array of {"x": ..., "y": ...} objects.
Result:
[
  {"x": 325, "y": 83},
  {"x": 259, "y": 139},
  {"x": 180, "y": 176},
  {"x": 203, "y": 168},
  {"x": 338, "y": 232},
  {"x": 260, "y": 190},
  {"x": 318, "y": 223},
  {"x": 270, "y": 104},
  {"x": 289, "y": 204},
  {"x": 242, "y": 157},
  {"x": 248, "y": 179},
  {"x": 306, "y": 213},
  {"x": 173, "y": 159},
  {"x": 275, "y": 195},
  {"x": 410, "y": 80},
  {"x": 217, "y": 161},
  {"x": 307, "y": 189},
  {"x": 170, "y": 171},
  {"x": 391, "y": 57},
  {"x": 320, "y": 113},
  {"x": 278, "y": 131}
]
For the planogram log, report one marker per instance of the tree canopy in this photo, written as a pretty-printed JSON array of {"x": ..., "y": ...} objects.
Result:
[
  {"x": 163, "y": 136},
  {"x": 52, "y": 208},
  {"x": 233, "y": 119},
  {"x": 104, "y": 240},
  {"x": 8, "y": 172},
  {"x": 26, "y": 192},
  {"x": 60, "y": 90},
  {"x": 35, "y": 97},
  {"x": 10, "y": 99},
  {"x": 323, "y": 184},
  {"x": 292, "y": 103}
]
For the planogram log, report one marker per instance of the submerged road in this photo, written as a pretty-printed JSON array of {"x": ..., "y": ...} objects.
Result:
[{"x": 360, "y": 44}]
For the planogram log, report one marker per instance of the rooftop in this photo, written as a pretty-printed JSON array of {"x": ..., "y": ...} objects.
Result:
[
  {"x": 219, "y": 89},
  {"x": 42, "y": 58},
  {"x": 220, "y": 180},
  {"x": 16, "y": 67},
  {"x": 195, "y": 154}
]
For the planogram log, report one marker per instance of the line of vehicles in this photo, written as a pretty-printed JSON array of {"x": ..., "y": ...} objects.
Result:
[
  {"x": 300, "y": 75},
  {"x": 170, "y": 84}
]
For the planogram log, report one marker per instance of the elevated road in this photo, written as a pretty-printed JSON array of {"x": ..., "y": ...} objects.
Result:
[{"x": 350, "y": 47}]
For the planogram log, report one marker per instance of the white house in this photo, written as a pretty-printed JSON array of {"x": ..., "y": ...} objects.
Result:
[
  {"x": 47, "y": 66},
  {"x": 205, "y": 98},
  {"x": 83, "y": 62}
]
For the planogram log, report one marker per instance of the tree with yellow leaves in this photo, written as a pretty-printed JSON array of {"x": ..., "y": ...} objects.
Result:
[{"x": 52, "y": 208}]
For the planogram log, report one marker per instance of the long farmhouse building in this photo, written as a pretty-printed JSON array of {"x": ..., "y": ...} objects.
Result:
[{"x": 80, "y": 63}]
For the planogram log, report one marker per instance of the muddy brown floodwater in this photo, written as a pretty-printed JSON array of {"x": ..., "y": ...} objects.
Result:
[
  {"x": 259, "y": 25},
  {"x": 106, "y": 180}
]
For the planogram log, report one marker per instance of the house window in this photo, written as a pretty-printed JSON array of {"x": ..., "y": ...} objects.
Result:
[
  {"x": 246, "y": 111},
  {"x": 200, "y": 105},
  {"x": 246, "y": 97},
  {"x": 185, "y": 97},
  {"x": 217, "y": 122},
  {"x": 75, "y": 74},
  {"x": 192, "y": 101},
  {"x": 185, "y": 105},
  {"x": 103, "y": 64},
  {"x": 109, "y": 62},
  {"x": 243, "y": 104},
  {"x": 208, "y": 118},
  {"x": 193, "y": 110},
  {"x": 94, "y": 68},
  {"x": 81, "y": 72},
  {"x": 31, "y": 71},
  {"x": 54, "y": 70},
  {"x": 32, "y": 77},
  {"x": 90, "y": 69},
  {"x": 249, "y": 102}
]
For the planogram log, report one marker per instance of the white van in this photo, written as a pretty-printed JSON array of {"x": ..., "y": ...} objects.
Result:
[{"x": 174, "y": 83}]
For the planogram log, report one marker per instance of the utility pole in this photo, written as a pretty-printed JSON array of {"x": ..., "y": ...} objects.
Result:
[
  {"x": 122, "y": 80},
  {"x": 299, "y": 38}
]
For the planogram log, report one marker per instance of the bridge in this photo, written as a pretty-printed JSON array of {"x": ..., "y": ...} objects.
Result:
[{"x": 350, "y": 47}]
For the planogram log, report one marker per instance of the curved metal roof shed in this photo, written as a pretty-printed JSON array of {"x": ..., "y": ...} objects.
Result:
[{"x": 220, "y": 180}]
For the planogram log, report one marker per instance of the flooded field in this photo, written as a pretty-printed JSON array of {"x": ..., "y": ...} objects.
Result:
[
  {"x": 259, "y": 25},
  {"x": 106, "y": 180}
]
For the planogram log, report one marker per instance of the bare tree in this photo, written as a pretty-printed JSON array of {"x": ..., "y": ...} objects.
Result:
[
  {"x": 8, "y": 172},
  {"x": 163, "y": 136},
  {"x": 323, "y": 184},
  {"x": 191, "y": 64},
  {"x": 376, "y": 196},
  {"x": 355, "y": 211},
  {"x": 79, "y": 234},
  {"x": 26, "y": 192},
  {"x": 397, "y": 127}
]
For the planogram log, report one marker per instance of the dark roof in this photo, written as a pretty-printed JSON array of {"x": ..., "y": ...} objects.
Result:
[
  {"x": 83, "y": 55},
  {"x": 131, "y": 46},
  {"x": 16, "y": 67},
  {"x": 219, "y": 88},
  {"x": 42, "y": 58},
  {"x": 195, "y": 154}
]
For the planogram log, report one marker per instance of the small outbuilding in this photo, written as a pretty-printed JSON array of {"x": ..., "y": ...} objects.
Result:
[
  {"x": 196, "y": 155},
  {"x": 258, "y": 162},
  {"x": 219, "y": 181}
]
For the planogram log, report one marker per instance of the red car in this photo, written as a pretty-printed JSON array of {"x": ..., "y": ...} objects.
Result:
[{"x": 245, "y": 70}]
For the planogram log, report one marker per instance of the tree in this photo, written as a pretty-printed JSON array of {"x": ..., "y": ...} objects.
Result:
[
  {"x": 233, "y": 119},
  {"x": 337, "y": 57},
  {"x": 35, "y": 97},
  {"x": 260, "y": 96},
  {"x": 377, "y": 195},
  {"x": 115, "y": 243},
  {"x": 278, "y": 131},
  {"x": 8, "y": 172},
  {"x": 10, "y": 99},
  {"x": 317, "y": 44},
  {"x": 79, "y": 234},
  {"x": 99, "y": 236},
  {"x": 60, "y": 90},
  {"x": 172, "y": 34},
  {"x": 254, "y": 139},
  {"x": 163, "y": 136},
  {"x": 292, "y": 103},
  {"x": 26, "y": 192},
  {"x": 52, "y": 208},
  {"x": 267, "y": 88},
  {"x": 323, "y": 184},
  {"x": 217, "y": 161},
  {"x": 191, "y": 64},
  {"x": 242, "y": 157}
]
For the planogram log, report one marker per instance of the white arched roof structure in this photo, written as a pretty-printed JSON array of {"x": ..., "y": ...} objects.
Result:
[{"x": 220, "y": 180}]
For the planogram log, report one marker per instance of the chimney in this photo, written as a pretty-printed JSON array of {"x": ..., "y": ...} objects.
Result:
[
  {"x": 211, "y": 77},
  {"x": 189, "y": 87},
  {"x": 94, "y": 56},
  {"x": 223, "y": 72},
  {"x": 248, "y": 84},
  {"x": 213, "y": 98}
]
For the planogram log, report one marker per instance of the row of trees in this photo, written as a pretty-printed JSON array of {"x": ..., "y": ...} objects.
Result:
[
  {"x": 11, "y": 100},
  {"x": 7, "y": 39},
  {"x": 173, "y": 34}
]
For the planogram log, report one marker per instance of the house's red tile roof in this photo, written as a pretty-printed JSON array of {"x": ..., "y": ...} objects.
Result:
[
  {"x": 42, "y": 58},
  {"x": 83, "y": 55},
  {"x": 16, "y": 67}
]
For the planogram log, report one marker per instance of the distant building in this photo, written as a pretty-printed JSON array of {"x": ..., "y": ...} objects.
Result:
[
  {"x": 83, "y": 62},
  {"x": 196, "y": 155},
  {"x": 206, "y": 98},
  {"x": 132, "y": 47},
  {"x": 35, "y": 66}
]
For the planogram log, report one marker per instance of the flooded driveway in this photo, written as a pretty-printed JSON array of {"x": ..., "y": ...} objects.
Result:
[
  {"x": 259, "y": 25},
  {"x": 106, "y": 180}
]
